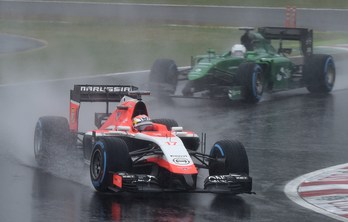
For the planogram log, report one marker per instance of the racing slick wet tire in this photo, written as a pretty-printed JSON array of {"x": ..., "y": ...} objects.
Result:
[
  {"x": 52, "y": 135},
  {"x": 319, "y": 73},
  {"x": 228, "y": 156},
  {"x": 251, "y": 78},
  {"x": 109, "y": 154},
  {"x": 169, "y": 123},
  {"x": 163, "y": 77}
]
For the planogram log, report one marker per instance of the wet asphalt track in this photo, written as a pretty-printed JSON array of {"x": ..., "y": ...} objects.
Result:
[{"x": 286, "y": 135}]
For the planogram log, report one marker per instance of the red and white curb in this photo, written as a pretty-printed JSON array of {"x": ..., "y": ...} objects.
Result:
[{"x": 324, "y": 191}]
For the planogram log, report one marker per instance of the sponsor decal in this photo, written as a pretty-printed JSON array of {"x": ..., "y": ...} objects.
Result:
[
  {"x": 73, "y": 115},
  {"x": 226, "y": 178},
  {"x": 241, "y": 178},
  {"x": 217, "y": 179},
  {"x": 105, "y": 88},
  {"x": 284, "y": 73},
  {"x": 181, "y": 161},
  {"x": 178, "y": 156},
  {"x": 146, "y": 179}
]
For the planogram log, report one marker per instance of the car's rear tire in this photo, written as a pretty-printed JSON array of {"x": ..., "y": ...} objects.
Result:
[
  {"x": 250, "y": 76},
  {"x": 163, "y": 77},
  {"x": 320, "y": 73},
  {"x": 169, "y": 123},
  {"x": 109, "y": 154},
  {"x": 228, "y": 156},
  {"x": 51, "y": 136}
]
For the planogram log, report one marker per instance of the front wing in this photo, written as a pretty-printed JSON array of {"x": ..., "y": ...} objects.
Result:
[{"x": 232, "y": 183}]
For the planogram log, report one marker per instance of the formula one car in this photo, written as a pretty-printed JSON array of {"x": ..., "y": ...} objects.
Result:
[
  {"x": 130, "y": 152},
  {"x": 258, "y": 67}
]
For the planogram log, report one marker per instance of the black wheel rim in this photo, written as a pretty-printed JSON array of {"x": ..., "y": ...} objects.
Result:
[
  {"x": 330, "y": 76},
  {"x": 97, "y": 164},
  {"x": 216, "y": 154},
  {"x": 258, "y": 82}
]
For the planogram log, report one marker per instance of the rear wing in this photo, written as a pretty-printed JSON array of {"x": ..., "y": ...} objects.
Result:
[
  {"x": 305, "y": 36},
  {"x": 95, "y": 93},
  {"x": 100, "y": 93}
]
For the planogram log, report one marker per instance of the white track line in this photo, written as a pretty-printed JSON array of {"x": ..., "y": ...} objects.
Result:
[{"x": 83, "y": 77}]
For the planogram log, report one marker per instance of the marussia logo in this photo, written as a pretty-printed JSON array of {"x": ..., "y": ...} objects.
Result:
[{"x": 105, "y": 88}]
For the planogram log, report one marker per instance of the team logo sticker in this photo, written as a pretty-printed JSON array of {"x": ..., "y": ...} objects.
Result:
[{"x": 181, "y": 161}]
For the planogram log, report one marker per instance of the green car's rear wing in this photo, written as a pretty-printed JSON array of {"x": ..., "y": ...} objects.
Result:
[{"x": 305, "y": 36}]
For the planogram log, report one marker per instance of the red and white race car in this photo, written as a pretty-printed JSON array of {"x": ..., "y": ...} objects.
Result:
[{"x": 131, "y": 152}]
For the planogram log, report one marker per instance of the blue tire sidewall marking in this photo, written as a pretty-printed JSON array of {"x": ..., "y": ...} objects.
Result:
[
  {"x": 97, "y": 182},
  {"x": 217, "y": 146},
  {"x": 328, "y": 61},
  {"x": 256, "y": 69}
]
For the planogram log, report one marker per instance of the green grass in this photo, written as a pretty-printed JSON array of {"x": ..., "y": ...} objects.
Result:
[
  {"x": 259, "y": 3},
  {"x": 81, "y": 49}
]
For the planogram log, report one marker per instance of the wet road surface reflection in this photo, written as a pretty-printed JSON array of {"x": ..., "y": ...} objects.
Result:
[{"x": 286, "y": 135}]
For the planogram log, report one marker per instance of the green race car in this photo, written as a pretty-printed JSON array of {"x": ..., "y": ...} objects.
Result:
[{"x": 255, "y": 66}]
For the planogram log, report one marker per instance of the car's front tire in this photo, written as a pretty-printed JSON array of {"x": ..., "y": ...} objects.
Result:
[
  {"x": 250, "y": 76},
  {"x": 228, "y": 156},
  {"x": 109, "y": 154}
]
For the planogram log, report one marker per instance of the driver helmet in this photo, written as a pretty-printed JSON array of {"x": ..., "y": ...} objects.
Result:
[
  {"x": 238, "y": 50},
  {"x": 142, "y": 122}
]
